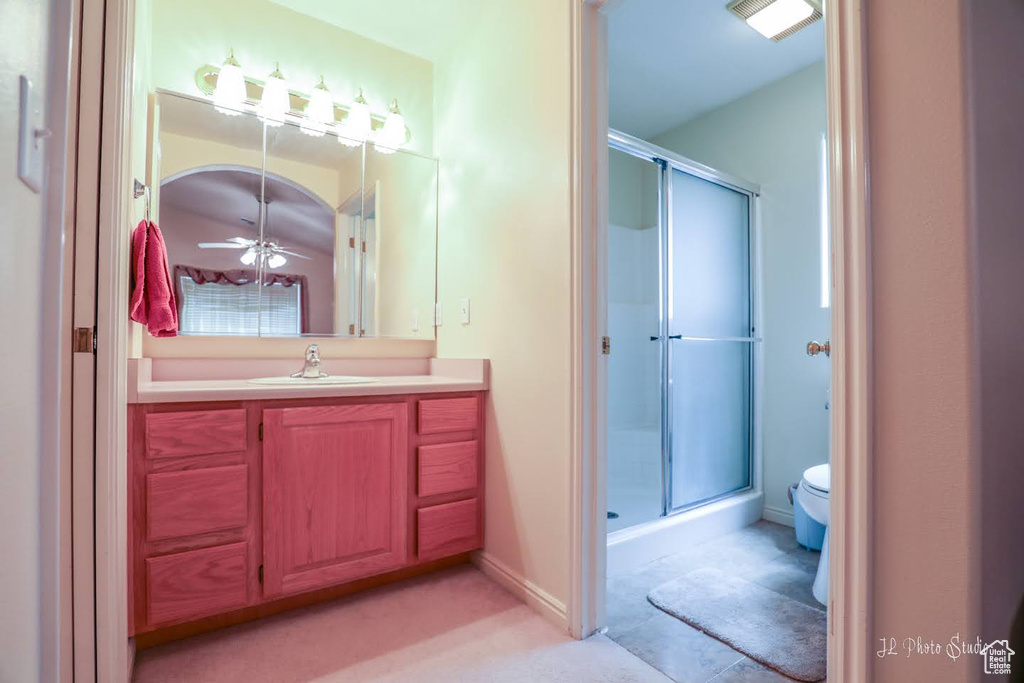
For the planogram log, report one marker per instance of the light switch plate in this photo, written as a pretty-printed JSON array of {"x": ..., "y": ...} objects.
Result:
[
  {"x": 464, "y": 311},
  {"x": 437, "y": 314},
  {"x": 415, "y": 319},
  {"x": 31, "y": 135}
]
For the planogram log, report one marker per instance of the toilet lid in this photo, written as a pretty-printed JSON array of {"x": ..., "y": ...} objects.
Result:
[{"x": 818, "y": 477}]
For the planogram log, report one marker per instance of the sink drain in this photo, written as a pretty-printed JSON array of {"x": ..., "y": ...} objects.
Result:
[{"x": 613, "y": 515}]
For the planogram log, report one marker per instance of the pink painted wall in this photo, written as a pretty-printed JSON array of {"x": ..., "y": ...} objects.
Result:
[
  {"x": 995, "y": 68},
  {"x": 182, "y": 230},
  {"x": 925, "y": 451}
]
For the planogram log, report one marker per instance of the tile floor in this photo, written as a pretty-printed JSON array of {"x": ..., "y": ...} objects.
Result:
[{"x": 764, "y": 553}]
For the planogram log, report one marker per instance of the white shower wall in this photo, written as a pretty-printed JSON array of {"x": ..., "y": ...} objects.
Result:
[{"x": 634, "y": 400}]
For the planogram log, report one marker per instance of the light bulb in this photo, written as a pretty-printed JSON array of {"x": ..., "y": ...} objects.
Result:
[
  {"x": 249, "y": 257},
  {"x": 392, "y": 136},
  {"x": 319, "y": 111},
  {"x": 355, "y": 129},
  {"x": 276, "y": 102},
  {"x": 276, "y": 261},
  {"x": 229, "y": 94}
]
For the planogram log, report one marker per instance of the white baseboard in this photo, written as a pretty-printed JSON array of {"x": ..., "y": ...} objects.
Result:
[
  {"x": 779, "y": 516},
  {"x": 551, "y": 608}
]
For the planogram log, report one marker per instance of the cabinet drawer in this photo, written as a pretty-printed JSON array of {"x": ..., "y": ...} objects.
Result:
[
  {"x": 440, "y": 415},
  {"x": 448, "y": 529},
  {"x": 447, "y": 468},
  {"x": 200, "y": 432},
  {"x": 196, "y": 501},
  {"x": 195, "y": 584}
]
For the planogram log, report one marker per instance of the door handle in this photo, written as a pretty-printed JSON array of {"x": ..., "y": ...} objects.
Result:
[
  {"x": 814, "y": 348},
  {"x": 671, "y": 336}
]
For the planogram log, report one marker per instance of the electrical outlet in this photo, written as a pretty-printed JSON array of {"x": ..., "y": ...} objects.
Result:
[
  {"x": 437, "y": 314},
  {"x": 464, "y": 311}
]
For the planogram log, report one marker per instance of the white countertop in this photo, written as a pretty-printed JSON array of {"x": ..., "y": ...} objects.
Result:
[{"x": 446, "y": 375}]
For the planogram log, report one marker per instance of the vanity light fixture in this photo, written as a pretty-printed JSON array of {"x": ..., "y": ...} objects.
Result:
[
  {"x": 315, "y": 113},
  {"x": 777, "y": 19},
  {"x": 356, "y": 127},
  {"x": 319, "y": 111},
  {"x": 229, "y": 95},
  {"x": 276, "y": 102},
  {"x": 392, "y": 136}
]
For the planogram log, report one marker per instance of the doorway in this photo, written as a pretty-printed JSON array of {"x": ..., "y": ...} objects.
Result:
[{"x": 649, "y": 467}]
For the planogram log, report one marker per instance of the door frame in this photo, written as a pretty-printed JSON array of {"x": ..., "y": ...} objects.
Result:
[
  {"x": 849, "y": 650},
  {"x": 105, "y": 190}
]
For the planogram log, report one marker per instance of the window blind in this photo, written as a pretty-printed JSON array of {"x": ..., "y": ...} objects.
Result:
[{"x": 229, "y": 309}]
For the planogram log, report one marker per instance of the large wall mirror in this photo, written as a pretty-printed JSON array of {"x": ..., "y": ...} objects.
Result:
[{"x": 276, "y": 233}]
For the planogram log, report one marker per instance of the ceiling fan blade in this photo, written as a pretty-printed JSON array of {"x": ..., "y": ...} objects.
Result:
[
  {"x": 220, "y": 245},
  {"x": 242, "y": 240},
  {"x": 292, "y": 253}
]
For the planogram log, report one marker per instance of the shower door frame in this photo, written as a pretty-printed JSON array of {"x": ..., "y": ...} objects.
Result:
[{"x": 669, "y": 161}]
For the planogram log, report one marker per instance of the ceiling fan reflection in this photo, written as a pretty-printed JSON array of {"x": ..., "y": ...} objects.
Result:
[{"x": 272, "y": 253}]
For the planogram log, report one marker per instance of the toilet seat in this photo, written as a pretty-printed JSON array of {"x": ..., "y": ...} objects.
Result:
[{"x": 818, "y": 479}]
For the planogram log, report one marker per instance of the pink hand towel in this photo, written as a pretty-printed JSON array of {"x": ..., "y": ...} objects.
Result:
[{"x": 153, "y": 303}]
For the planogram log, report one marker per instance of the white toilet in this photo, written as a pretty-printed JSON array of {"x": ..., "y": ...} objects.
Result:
[{"x": 813, "y": 496}]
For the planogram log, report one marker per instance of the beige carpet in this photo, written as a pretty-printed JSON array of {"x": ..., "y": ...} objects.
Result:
[
  {"x": 454, "y": 625},
  {"x": 776, "y": 630}
]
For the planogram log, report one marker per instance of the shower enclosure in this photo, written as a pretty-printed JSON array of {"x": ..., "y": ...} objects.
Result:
[{"x": 681, "y": 316}]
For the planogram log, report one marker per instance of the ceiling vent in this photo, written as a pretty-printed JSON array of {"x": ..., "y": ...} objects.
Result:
[{"x": 777, "y": 19}]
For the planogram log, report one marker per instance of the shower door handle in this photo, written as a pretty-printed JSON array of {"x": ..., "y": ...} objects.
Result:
[{"x": 671, "y": 336}]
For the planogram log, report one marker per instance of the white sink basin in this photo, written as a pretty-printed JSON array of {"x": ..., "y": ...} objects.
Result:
[{"x": 331, "y": 380}]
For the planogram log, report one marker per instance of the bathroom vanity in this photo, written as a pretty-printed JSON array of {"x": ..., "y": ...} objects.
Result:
[
  {"x": 258, "y": 494},
  {"x": 251, "y": 491}
]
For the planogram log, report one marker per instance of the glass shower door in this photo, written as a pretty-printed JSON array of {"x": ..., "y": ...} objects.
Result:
[
  {"x": 635, "y": 296},
  {"x": 711, "y": 340}
]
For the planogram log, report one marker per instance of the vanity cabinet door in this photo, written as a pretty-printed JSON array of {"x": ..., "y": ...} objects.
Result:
[{"x": 334, "y": 494}]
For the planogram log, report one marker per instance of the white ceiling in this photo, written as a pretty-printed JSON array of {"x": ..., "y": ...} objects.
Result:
[
  {"x": 424, "y": 28},
  {"x": 672, "y": 60}
]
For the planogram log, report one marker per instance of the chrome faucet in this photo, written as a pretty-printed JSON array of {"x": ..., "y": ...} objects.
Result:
[{"x": 311, "y": 366}]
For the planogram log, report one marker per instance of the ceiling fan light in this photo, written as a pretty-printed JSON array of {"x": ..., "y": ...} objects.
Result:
[
  {"x": 355, "y": 129},
  {"x": 319, "y": 111},
  {"x": 276, "y": 261},
  {"x": 392, "y": 136},
  {"x": 276, "y": 102},
  {"x": 249, "y": 257},
  {"x": 229, "y": 95}
]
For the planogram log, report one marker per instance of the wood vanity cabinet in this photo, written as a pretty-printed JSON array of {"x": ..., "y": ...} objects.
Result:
[{"x": 239, "y": 508}]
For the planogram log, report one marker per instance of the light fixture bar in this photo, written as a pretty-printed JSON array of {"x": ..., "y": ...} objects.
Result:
[{"x": 206, "y": 82}]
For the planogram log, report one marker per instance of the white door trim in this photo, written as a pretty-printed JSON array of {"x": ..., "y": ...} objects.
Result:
[
  {"x": 849, "y": 609},
  {"x": 849, "y": 651},
  {"x": 114, "y": 226},
  {"x": 589, "y": 176}
]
